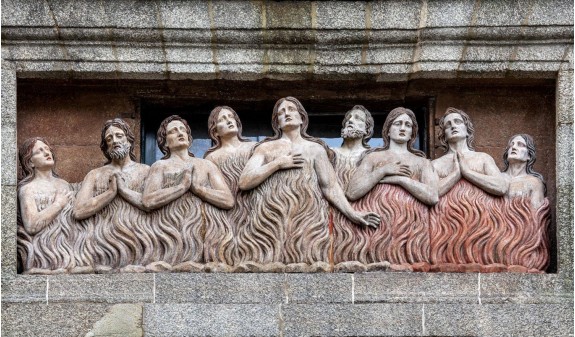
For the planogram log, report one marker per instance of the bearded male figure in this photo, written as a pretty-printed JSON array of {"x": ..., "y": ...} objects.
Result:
[
  {"x": 110, "y": 205},
  {"x": 291, "y": 176}
]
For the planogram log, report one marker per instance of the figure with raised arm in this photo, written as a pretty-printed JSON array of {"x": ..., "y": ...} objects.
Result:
[
  {"x": 110, "y": 206},
  {"x": 45, "y": 227},
  {"x": 292, "y": 178},
  {"x": 227, "y": 237},
  {"x": 469, "y": 207},
  {"x": 524, "y": 244},
  {"x": 176, "y": 188},
  {"x": 398, "y": 182}
]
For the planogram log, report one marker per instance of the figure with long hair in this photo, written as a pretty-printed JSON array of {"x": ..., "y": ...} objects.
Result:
[
  {"x": 524, "y": 241},
  {"x": 109, "y": 205},
  {"x": 292, "y": 179},
  {"x": 176, "y": 188},
  {"x": 45, "y": 227},
  {"x": 227, "y": 231},
  {"x": 398, "y": 182},
  {"x": 469, "y": 208}
]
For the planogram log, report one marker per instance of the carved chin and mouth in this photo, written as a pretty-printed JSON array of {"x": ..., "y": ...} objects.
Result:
[
  {"x": 119, "y": 151},
  {"x": 353, "y": 132}
]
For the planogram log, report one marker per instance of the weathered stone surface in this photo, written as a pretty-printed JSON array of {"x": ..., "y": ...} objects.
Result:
[
  {"x": 44, "y": 52},
  {"x": 340, "y": 15},
  {"x": 318, "y": 288},
  {"x": 540, "y": 53},
  {"x": 109, "y": 288},
  {"x": 8, "y": 120},
  {"x": 288, "y": 14},
  {"x": 231, "y": 56},
  {"x": 74, "y": 319},
  {"x": 551, "y": 12},
  {"x": 440, "y": 52},
  {"x": 395, "y": 14},
  {"x": 236, "y": 14},
  {"x": 120, "y": 320},
  {"x": 564, "y": 167},
  {"x": 9, "y": 210},
  {"x": 188, "y": 14},
  {"x": 26, "y": 13},
  {"x": 352, "y": 319},
  {"x": 24, "y": 288},
  {"x": 220, "y": 288},
  {"x": 564, "y": 97},
  {"x": 189, "y": 55},
  {"x": 289, "y": 56},
  {"x": 416, "y": 287},
  {"x": 523, "y": 288},
  {"x": 389, "y": 55},
  {"x": 507, "y": 13},
  {"x": 131, "y": 14},
  {"x": 95, "y": 53},
  {"x": 451, "y": 13},
  {"x": 144, "y": 53},
  {"x": 498, "y": 320},
  {"x": 83, "y": 13},
  {"x": 487, "y": 53},
  {"x": 338, "y": 57},
  {"x": 211, "y": 320}
]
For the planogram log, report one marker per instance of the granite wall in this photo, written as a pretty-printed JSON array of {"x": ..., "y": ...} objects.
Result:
[{"x": 517, "y": 55}]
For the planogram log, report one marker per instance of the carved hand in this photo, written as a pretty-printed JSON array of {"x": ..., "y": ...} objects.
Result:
[
  {"x": 63, "y": 197},
  {"x": 187, "y": 178},
  {"x": 290, "y": 161},
  {"x": 397, "y": 168},
  {"x": 461, "y": 165},
  {"x": 113, "y": 184},
  {"x": 120, "y": 181},
  {"x": 367, "y": 219},
  {"x": 195, "y": 183},
  {"x": 396, "y": 180}
]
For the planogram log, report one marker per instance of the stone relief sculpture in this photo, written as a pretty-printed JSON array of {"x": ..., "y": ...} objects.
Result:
[
  {"x": 278, "y": 205},
  {"x": 177, "y": 188},
  {"x": 293, "y": 179},
  {"x": 46, "y": 226},
  {"x": 464, "y": 221},
  {"x": 397, "y": 181},
  {"x": 524, "y": 244},
  {"x": 114, "y": 241},
  {"x": 227, "y": 232}
]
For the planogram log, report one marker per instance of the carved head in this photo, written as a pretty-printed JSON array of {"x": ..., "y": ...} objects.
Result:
[
  {"x": 35, "y": 153},
  {"x": 521, "y": 148},
  {"x": 117, "y": 140},
  {"x": 358, "y": 123},
  {"x": 174, "y": 133},
  {"x": 454, "y": 125},
  {"x": 289, "y": 112},
  {"x": 223, "y": 121},
  {"x": 401, "y": 126}
]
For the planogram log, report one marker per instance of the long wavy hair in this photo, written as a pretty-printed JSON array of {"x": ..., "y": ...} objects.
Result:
[
  {"x": 531, "y": 151},
  {"x": 303, "y": 129},
  {"x": 466, "y": 120},
  {"x": 121, "y": 124},
  {"x": 161, "y": 135},
  {"x": 368, "y": 123},
  {"x": 213, "y": 128},
  {"x": 25, "y": 154}
]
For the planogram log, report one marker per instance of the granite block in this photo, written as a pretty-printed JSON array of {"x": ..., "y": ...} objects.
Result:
[
  {"x": 489, "y": 53},
  {"x": 551, "y": 12},
  {"x": 239, "y": 36},
  {"x": 450, "y": 13},
  {"x": 236, "y": 14},
  {"x": 229, "y": 56},
  {"x": 95, "y": 70},
  {"x": 404, "y": 36},
  {"x": 36, "y": 52},
  {"x": 43, "y": 69},
  {"x": 24, "y": 289},
  {"x": 238, "y": 72},
  {"x": 455, "y": 34},
  {"x": 173, "y": 37},
  {"x": 220, "y": 288},
  {"x": 564, "y": 97},
  {"x": 134, "y": 35},
  {"x": 342, "y": 37},
  {"x": 568, "y": 59},
  {"x": 524, "y": 288},
  {"x": 448, "y": 52},
  {"x": 80, "y": 13},
  {"x": 564, "y": 215},
  {"x": 197, "y": 71},
  {"x": 131, "y": 14},
  {"x": 211, "y": 320},
  {"x": 495, "y": 69},
  {"x": 352, "y": 319},
  {"x": 11, "y": 33},
  {"x": 9, "y": 226},
  {"x": 319, "y": 288},
  {"x": 347, "y": 56},
  {"x": 26, "y": 13},
  {"x": 540, "y": 53},
  {"x": 395, "y": 14},
  {"x": 289, "y": 38},
  {"x": 184, "y": 14},
  {"x": 101, "y": 288},
  {"x": 142, "y": 71},
  {"x": 178, "y": 54},
  {"x": 416, "y": 287},
  {"x": 143, "y": 53},
  {"x": 340, "y": 15},
  {"x": 503, "y": 13},
  {"x": 498, "y": 320},
  {"x": 120, "y": 320},
  {"x": 536, "y": 67},
  {"x": 289, "y": 56},
  {"x": 389, "y": 54},
  {"x": 47, "y": 320},
  {"x": 8, "y": 155},
  {"x": 288, "y": 14},
  {"x": 91, "y": 53}
]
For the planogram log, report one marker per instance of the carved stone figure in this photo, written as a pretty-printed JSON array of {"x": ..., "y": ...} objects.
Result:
[
  {"x": 46, "y": 227},
  {"x": 291, "y": 174},
  {"x": 109, "y": 191},
  {"x": 227, "y": 237},
  {"x": 176, "y": 187},
  {"x": 523, "y": 237},
  {"x": 463, "y": 222},
  {"x": 397, "y": 181}
]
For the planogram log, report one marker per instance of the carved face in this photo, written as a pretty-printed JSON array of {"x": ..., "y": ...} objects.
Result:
[
  {"x": 454, "y": 127},
  {"x": 41, "y": 156},
  {"x": 518, "y": 151},
  {"x": 226, "y": 123},
  {"x": 355, "y": 126},
  {"x": 117, "y": 142},
  {"x": 177, "y": 136},
  {"x": 288, "y": 115},
  {"x": 401, "y": 129}
]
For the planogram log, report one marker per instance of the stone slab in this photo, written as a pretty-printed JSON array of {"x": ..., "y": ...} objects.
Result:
[
  {"x": 211, "y": 320},
  {"x": 26, "y": 13},
  {"x": 319, "y": 288},
  {"x": 551, "y": 12},
  {"x": 341, "y": 15},
  {"x": 524, "y": 288},
  {"x": 396, "y": 14},
  {"x": 236, "y": 14},
  {"x": 564, "y": 216},
  {"x": 220, "y": 288},
  {"x": 131, "y": 14},
  {"x": 8, "y": 120},
  {"x": 288, "y": 14},
  {"x": 498, "y": 320},
  {"x": 564, "y": 97},
  {"x": 450, "y": 13},
  {"x": 80, "y": 13},
  {"x": 389, "y": 54},
  {"x": 24, "y": 289},
  {"x": 352, "y": 319},
  {"x": 47, "y": 320},
  {"x": 502, "y": 13},
  {"x": 101, "y": 288},
  {"x": 184, "y": 14},
  {"x": 416, "y": 287},
  {"x": 121, "y": 320},
  {"x": 9, "y": 226}
]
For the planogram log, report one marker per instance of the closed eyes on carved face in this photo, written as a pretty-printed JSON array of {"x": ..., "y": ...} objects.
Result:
[{"x": 115, "y": 138}]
